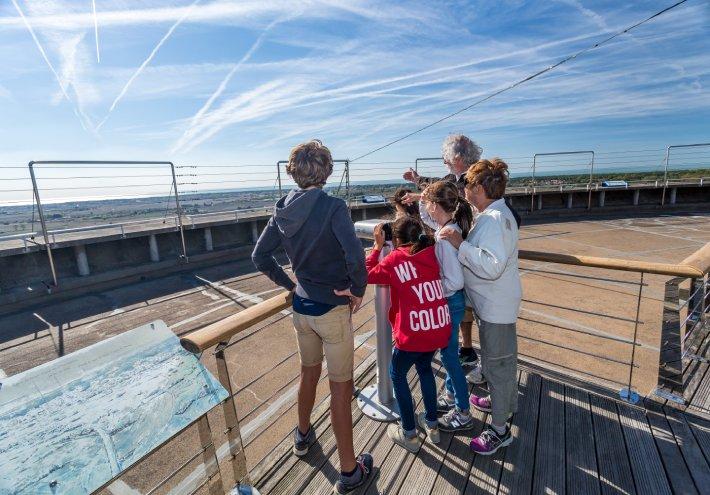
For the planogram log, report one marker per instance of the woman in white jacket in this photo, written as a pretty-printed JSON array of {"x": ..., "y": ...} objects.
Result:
[{"x": 489, "y": 256}]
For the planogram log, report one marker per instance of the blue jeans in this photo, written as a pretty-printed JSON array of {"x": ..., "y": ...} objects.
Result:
[
  {"x": 455, "y": 378},
  {"x": 402, "y": 362}
]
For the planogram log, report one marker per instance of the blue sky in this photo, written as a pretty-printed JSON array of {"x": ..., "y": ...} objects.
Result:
[{"x": 240, "y": 82}]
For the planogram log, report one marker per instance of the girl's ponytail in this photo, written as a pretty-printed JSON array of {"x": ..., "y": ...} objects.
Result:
[
  {"x": 463, "y": 216},
  {"x": 446, "y": 195},
  {"x": 424, "y": 240},
  {"x": 408, "y": 231}
]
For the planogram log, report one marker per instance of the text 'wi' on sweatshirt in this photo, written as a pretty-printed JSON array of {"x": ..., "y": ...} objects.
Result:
[{"x": 419, "y": 314}]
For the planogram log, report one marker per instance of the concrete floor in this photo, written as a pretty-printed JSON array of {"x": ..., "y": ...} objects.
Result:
[{"x": 568, "y": 320}]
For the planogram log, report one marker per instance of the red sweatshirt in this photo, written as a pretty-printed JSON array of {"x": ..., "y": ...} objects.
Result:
[{"x": 419, "y": 313}]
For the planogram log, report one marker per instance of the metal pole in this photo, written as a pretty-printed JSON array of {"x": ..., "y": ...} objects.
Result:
[
  {"x": 347, "y": 182},
  {"x": 628, "y": 394},
  {"x": 237, "y": 458},
  {"x": 43, "y": 224},
  {"x": 179, "y": 214},
  {"x": 532, "y": 194},
  {"x": 665, "y": 176},
  {"x": 278, "y": 176},
  {"x": 591, "y": 179},
  {"x": 209, "y": 454}
]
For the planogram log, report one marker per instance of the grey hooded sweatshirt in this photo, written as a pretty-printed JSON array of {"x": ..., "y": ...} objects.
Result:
[{"x": 319, "y": 238}]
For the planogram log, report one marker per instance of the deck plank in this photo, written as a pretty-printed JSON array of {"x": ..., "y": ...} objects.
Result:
[
  {"x": 582, "y": 472},
  {"x": 701, "y": 431},
  {"x": 567, "y": 440},
  {"x": 614, "y": 469},
  {"x": 322, "y": 480},
  {"x": 694, "y": 458},
  {"x": 549, "y": 470},
  {"x": 486, "y": 470},
  {"x": 676, "y": 469},
  {"x": 392, "y": 470},
  {"x": 517, "y": 477},
  {"x": 646, "y": 466},
  {"x": 289, "y": 468}
]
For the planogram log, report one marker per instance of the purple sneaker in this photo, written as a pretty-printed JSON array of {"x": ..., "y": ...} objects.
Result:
[
  {"x": 480, "y": 403},
  {"x": 488, "y": 442}
]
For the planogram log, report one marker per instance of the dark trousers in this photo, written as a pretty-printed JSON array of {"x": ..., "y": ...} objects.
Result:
[{"x": 402, "y": 362}]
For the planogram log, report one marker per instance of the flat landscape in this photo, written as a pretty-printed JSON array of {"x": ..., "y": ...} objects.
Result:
[{"x": 573, "y": 319}]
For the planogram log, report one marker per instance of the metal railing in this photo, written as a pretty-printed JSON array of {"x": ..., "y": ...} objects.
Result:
[
  {"x": 563, "y": 153},
  {"x": 678, "y": 336},
  {"x": 668, "y": 155},
  {"x": 44, "y": 231}
]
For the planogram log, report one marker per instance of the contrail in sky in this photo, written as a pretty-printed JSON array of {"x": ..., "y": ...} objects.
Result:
[
  {"x": 195, "y": 121},
  {"x": 96, "y": 32},
  {"x": 146, "y": 62},
  {"x": 49, "y": 64}
]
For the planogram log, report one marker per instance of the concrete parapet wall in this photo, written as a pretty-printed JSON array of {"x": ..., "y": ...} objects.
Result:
[{"x": 25, "y": 274}]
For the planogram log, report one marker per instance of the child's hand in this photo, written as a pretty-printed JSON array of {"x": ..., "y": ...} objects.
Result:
[
  {"x": 452, "y": 235},
  {"x": 410, "y": 198},
  {"x": 355, "y": 302},
  {"x": 379, "y": 237}
]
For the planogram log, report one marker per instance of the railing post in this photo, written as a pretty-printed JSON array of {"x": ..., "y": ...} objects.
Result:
[
  {"x": 670, "y": 359},
  {"x": 209, "y": 454},
  {"x": 278, "y": 175},
  {"x": 179, "y": 214},
  {"x": 237, "y": 456},
  {"x": 628, "y": 394},
  {"x": 43, "y": 224},
  {"x": 347, "y": 183},
  {"x": 591, "y": 179},
  {"x": 532, "y": 197}
]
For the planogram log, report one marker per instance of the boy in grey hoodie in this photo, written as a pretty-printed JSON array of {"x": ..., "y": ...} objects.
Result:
[{"x": 327, "y": 258}]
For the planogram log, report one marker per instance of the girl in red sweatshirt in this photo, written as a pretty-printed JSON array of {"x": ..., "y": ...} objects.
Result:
[{"x": 421, "y": 323}]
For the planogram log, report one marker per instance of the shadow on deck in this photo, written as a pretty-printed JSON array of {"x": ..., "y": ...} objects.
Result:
[{"x": 567, "y": 440}]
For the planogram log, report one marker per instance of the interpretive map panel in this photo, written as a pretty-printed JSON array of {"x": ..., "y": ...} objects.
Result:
[{"x": 70, "y": 425}]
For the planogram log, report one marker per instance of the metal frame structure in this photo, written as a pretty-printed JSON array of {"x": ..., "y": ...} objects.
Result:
[
  {"x": 665, "y": 167},
  {"x": 42, "y": 220},
  {"x": 416, "y": 162},
  {"x": 557, "y": 153}
]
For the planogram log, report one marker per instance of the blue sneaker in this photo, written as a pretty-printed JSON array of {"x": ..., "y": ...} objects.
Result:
[
  {"x": 346, "y": 484},
  {"x": 302, "y": 443}
]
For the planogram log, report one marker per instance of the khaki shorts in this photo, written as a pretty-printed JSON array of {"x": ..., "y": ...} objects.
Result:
[
  {"x": 332, "y": 331},
  {"x": 467, "y": 315}
]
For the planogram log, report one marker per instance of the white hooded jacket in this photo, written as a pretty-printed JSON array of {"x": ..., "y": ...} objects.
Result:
[{"x": 489, "y": 256}]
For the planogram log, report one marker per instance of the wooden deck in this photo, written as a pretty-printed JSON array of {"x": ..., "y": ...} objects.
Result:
[{"x": 567, "y": 440}]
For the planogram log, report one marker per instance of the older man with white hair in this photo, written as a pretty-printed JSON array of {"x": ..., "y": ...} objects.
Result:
[{"x": 459, "y": 153}]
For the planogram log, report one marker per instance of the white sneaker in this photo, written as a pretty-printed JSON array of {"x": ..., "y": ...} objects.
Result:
[
  {"x": 396, "y": 434},
  {"x": 431, "y": 433},
  {"x": 475, "y": 376}
]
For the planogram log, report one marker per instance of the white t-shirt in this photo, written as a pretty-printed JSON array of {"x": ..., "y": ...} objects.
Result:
[{"x": 449, "y": 265}]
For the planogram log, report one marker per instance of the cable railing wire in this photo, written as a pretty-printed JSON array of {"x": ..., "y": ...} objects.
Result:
[{"x": 523, "y": 81}]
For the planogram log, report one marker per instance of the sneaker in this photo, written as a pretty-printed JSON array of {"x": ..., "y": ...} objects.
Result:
[
  {"x": 350, "y": 483},
  {"x": 488, "y": 442},
  {"x": 444, "y": 403},
  {"x": 301, "y": 443},
  {"x": 475, "y": 376},
  {"x": 455, "y": 420},
  {"x": 467, "y": 357},
  {"x": 396, "y": 434},
  {"x": 431, "y": 433},
  {"x": 480, "y": 403}
]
